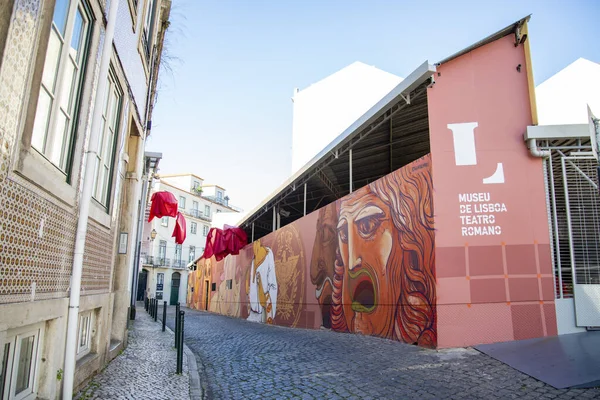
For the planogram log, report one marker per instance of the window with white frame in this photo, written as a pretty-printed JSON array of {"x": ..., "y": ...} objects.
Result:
[
  {"x": 181, "y": 202},
  {"x": 111, "y": 111},
  {"x": 207, "y": 210},
  {"x": 19, "y": 363},
  {"x": 195, "y": 205},
  {"x": 84, "y": 336},
  {"x": 177, "y": 253},
  {"x": 193, "y": 228},
  {"x": 192, "y": 256},
  {"x": 162, "y": 251},
  {"x": 164, "y": 221},
  {"x": 58, "y": 99},
  {"x": 219, "y": 195},
  {"x": 205, "y": 230}
]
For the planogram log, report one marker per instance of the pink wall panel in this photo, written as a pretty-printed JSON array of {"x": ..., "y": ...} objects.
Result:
[{"x": 489, "y": 199}]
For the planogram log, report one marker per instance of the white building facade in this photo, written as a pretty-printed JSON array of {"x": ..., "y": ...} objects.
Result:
[
  {"x": 322, "y": 111},
  {"x": 165, "y": 264}
]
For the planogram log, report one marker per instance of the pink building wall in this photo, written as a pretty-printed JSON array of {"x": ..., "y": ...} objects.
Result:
[{"x": 494, "y": 270}]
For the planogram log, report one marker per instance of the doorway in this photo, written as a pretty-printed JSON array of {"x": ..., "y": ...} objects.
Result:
[
  {"x": 206, "y": 285},
  {"x": 175, "y": 281},
  {"x": 142, "y": 283}
]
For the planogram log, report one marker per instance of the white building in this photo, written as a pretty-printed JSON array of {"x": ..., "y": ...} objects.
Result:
[
  {"x": 165, "y": 263},
  {"x": 322, "y": 111},
  {"x": 563, "y": 98}
]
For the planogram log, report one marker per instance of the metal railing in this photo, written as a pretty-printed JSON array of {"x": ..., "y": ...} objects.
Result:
[
  {"x": 156, "y": 261},
  {"x": 198, "y": 214},
  {"x": 179, "y": 264}
]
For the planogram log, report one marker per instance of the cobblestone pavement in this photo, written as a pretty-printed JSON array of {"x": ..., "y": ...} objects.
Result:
[
  {"x": 145, "y": 370},
  {"x": 244, "y": 360}
]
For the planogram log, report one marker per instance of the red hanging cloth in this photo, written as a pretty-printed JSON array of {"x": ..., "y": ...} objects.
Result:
[
  {"x": 179, "y": 233},
  {"x": 222, "y": 242},
  {"x": 164, "y": 204}
]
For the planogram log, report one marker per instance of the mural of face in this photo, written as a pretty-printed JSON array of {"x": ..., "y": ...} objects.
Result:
[
  {"x": 323, "y": 259},
  {"x": 366, "y": 239}
]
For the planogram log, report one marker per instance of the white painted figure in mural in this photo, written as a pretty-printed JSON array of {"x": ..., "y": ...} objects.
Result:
[{"x": 262, "y": 288}]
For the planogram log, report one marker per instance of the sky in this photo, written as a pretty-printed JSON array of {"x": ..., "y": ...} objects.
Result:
[{"x": 224, "y": 109}]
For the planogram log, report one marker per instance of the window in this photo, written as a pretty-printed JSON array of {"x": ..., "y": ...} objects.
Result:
[
  {"x": 55, "y": 117},
  {"x": 147, "y": 29},
  {"x": 177, "y": 253},
  {"x": 160, "y": 281},
  {"x": 192, "y": 256},
  {"x": 162, "y": 251},
  {"x": 164, "y": 221},
  {"x": 219, "y": 195},
  {"x": 84, "y": 337},
  {"x": 107, "y": 140},
  {"x": 196, "y": 185},
  {"x": 205, "y": 230},
  {"x": 229, "y": 283},
  {"x": 19, "y": 363},
  {"x": 181, "y": 202},
  {"x": 193, "y": 228},
  {"x": 195, "y": 205},
  {"x": 213, "y": 287},
  {"x": 207, "y": 211}
]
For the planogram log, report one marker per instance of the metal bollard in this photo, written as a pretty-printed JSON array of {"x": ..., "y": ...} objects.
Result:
[
  {"x": 180, "y": 348},
  {"x": 164, "y": 321},
  {"x": 146, "y": 303},
  {"x": 153, "y": 308},
  {"x": 156, "y": 311},
  {"x": 151, "y": 305},
  {"x": 177, "y": 309}
]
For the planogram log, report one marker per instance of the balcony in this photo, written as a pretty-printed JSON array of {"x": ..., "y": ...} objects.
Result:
[
  {"x": 179, "y": 264},
  {"x": 156, "y": 261},
  {"x": 198, "y": 214},
  {"x": 223, "y": 201}
]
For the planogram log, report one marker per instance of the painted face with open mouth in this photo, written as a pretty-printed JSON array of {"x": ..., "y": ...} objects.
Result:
[
  {"x": 323, "y": 259},
  {"x": 366, "y": 237}
]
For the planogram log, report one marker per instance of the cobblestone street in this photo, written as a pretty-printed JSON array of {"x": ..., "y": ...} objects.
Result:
[
  {"x": 145, "y": 370},
  {"x": 239, "y": 359}
]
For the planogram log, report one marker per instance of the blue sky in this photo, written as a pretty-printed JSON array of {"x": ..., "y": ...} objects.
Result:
[{"x": 224, "y": 109}]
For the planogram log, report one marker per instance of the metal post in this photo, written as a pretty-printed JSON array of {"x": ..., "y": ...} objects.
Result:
[
  {"x": 278, "y": 220},
  {"x": 177, "y": 307},
  {"x": 164, "y": 321},
  {"x": 252, "y": 238},
  {"x": 180, "y": 347},
  {"x": 156, "y": 311},
  {"x": 350, "y": 152},
  {"x": 274, "y": 219},
  {"x": 146, "y": 304},
  {"x": 305, "y": 199}
]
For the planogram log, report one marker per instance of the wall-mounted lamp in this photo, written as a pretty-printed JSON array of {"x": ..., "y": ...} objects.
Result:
[{"x": 153, "y": 234}]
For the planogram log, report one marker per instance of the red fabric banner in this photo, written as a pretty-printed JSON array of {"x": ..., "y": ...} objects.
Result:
[
  {"x": 179, "y": 233},
  {"x": 222, "y": 242},
  {"x": 164, "y": 204}
]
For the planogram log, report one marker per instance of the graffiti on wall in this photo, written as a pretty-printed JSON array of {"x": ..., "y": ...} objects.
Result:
[{"x": 371, "y": 268}]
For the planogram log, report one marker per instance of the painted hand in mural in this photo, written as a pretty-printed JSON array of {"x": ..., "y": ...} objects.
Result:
[
  {"x": 262, "y": 290},
  {"x": 322, "y": 263}
]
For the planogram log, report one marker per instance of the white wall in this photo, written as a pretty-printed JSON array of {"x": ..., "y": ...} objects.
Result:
[
  {"x": 325, "y": 109},
  {"x": 563, "y": 98}
]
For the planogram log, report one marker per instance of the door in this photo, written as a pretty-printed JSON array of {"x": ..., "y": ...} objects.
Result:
[
  {"x": 583, "y": 221},
  {"x": 142, "y": 282},
  {"x": 207, "y": 285},
  {"x": 175, "y": 281}
]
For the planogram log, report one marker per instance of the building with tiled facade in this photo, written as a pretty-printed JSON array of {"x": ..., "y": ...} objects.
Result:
[
  {"x": 165, "y": 264},
  {"x": 50, "y": 58}
]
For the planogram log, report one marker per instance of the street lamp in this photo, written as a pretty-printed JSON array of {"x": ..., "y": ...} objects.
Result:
[{"x": 153, "y": 234}]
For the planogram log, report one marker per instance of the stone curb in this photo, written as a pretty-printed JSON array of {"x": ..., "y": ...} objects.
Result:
[{"x": 195, "y": 388}]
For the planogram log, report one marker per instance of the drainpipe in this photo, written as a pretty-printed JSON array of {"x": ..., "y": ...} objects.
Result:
[
  {"x": 535, "y": 151},
  {"x": 84, "y": 206}
]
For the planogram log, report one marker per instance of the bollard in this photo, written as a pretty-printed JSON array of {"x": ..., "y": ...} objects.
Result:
[
  {"x": 177, "y": 309},
  {"x": 164, "y": 321},
  {"x": 180, "y": 348},
  {"x": 156, "y": 311},
  {"x": 146, "y": 303},
  {"x": 151, "y": 305},
  {"x": 153, "y": 308}
]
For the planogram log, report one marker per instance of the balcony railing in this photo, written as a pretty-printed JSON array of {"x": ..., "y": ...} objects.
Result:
[
  {"x": 223, "y": 201},
  {"x": 198, "y": 214},
  {"x": 179, "y": 264},
  {"x": 156, "y": 261}
]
